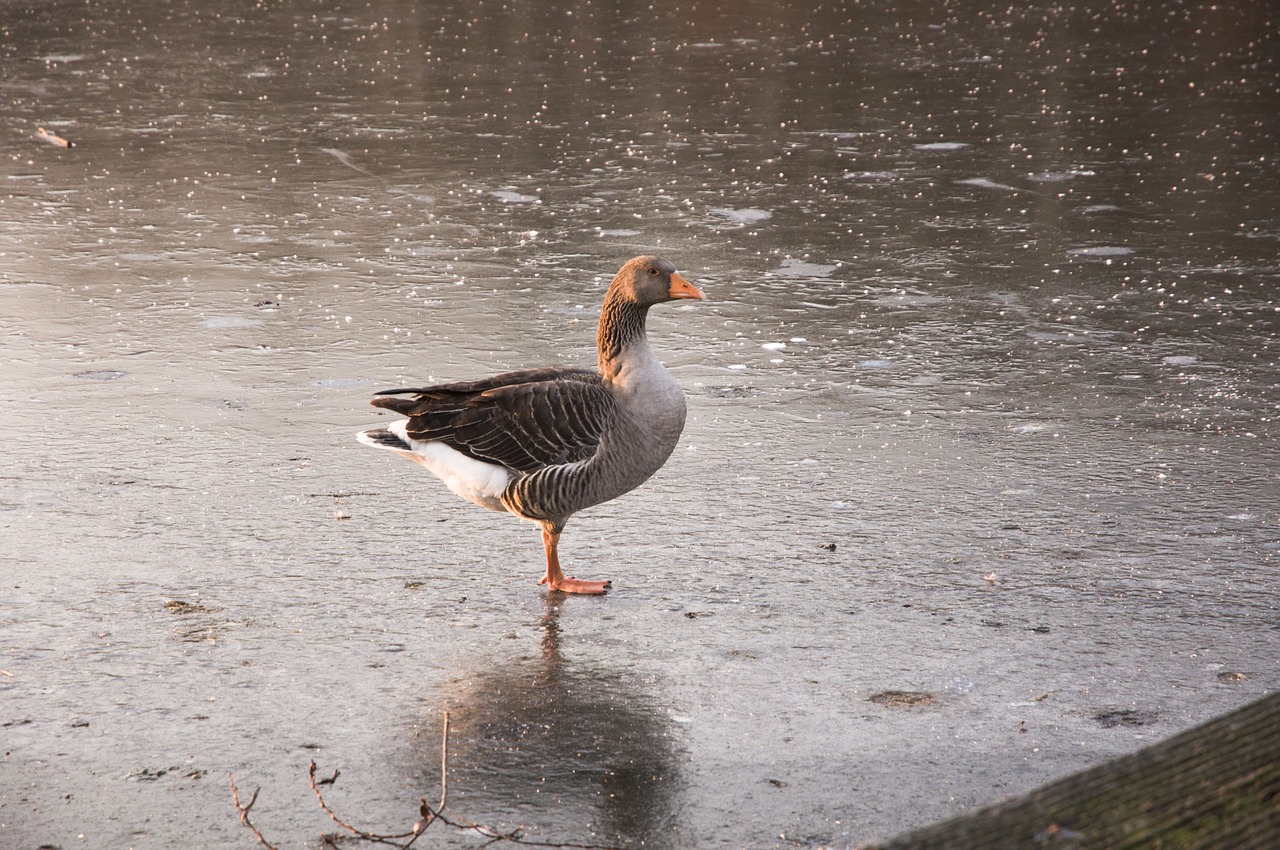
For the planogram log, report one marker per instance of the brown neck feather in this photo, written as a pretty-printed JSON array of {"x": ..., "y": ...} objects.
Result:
[{"x": 621, "y": 323}]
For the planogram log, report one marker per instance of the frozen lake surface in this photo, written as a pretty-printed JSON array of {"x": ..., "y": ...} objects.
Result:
[{"x": 980, "y": 480}]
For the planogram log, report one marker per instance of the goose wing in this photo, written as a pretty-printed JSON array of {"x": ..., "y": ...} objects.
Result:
[{"x": 524, "y": 420}]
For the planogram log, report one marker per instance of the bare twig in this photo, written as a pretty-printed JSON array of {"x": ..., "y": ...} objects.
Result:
[
  {"x": 427, "y": 816},
  {"x": 359, "y": 833},
  {"x": 444, "y": 763},
  {"x": 244, "y": 810}
]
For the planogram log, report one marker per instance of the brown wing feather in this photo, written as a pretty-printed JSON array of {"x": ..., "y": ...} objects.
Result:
[
  {"x": 504, "y": 379},
  {"x": 524, "y": 420}
]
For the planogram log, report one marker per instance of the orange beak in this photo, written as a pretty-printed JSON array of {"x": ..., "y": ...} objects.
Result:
[{"x": 681, "y": 288}]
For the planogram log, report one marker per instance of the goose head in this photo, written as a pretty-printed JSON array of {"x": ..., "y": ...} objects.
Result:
[{"x": 647, "y": 280}]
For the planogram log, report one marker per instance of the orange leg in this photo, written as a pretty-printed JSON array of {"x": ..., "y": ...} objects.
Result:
[{"x": 555, "y": 579}]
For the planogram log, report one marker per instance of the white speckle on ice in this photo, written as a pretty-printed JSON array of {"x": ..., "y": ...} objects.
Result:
[
  {"x": 774, "y": 346},
  {"x": 1102, "y": 251},
  {"x": 798, "y": 339},
  {"x": 100, "y": 375},
  {"x": 984, "y": 183},
  {"x": 942, "y": 146},
  {"x": 792, "y": 267},
  {"x": 738, "y": 367},
  {"x": 1059, "y": 176},
  {"x": 1180, "y": 360},
  {"x": 745, "y": 215},
  {"x": 220, "y": 322},
  {"x": 876, "y": 364},
  {"x": 516, "y": 198}
]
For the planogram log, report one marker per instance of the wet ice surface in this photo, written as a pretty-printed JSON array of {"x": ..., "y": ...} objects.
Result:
[{"x": 982, "y": 407}]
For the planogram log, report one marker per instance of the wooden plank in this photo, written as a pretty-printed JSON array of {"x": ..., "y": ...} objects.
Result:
[{"x": 1214, "y": 787}]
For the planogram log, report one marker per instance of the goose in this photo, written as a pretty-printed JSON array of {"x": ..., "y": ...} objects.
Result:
[{"x": 546, "y": 443}]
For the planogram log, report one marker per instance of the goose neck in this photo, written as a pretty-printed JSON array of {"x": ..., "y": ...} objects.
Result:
[{"x": 621, "y": 328}]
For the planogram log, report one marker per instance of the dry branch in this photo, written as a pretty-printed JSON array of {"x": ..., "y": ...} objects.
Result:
[
  {"x": 427, "y": 816},
  {"x": 358, "y": 833},
  {"x": 244, "y": 811}
]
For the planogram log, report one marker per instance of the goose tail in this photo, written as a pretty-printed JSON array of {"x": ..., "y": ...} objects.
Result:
[{"x": 381, "y": 438}]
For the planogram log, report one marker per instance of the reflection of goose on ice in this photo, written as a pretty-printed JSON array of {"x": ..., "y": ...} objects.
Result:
[{"x": 575, "y": 752}]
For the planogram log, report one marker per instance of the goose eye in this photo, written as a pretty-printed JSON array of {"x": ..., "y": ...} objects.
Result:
[{"x": 653, "y": 271}]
